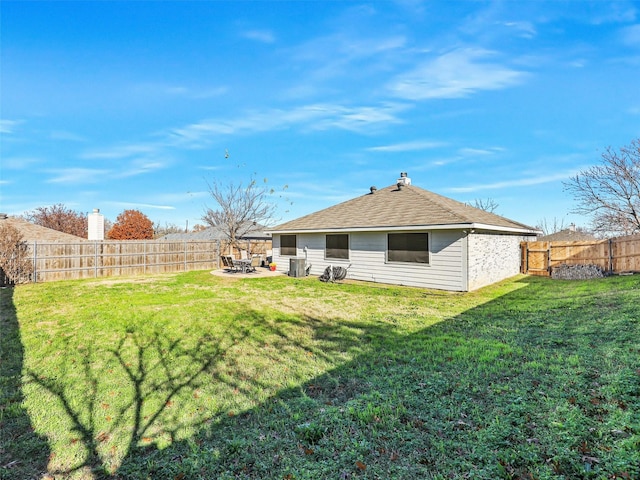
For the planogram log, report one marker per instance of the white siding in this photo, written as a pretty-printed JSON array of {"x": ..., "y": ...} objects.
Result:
[
  {"x": 368, "y": 260},
  {"x": 492, "y": 258}
]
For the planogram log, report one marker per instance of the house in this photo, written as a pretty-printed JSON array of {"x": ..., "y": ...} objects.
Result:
[
  {"x": 254, "y": 239},
  {"x": 405, "y": 235},
  {"x": 571, "y": 234},
  {"x": 35, "y": 233}
]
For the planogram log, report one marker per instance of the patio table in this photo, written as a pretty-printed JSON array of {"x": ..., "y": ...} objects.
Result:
[{"x": 244, "y": 263}]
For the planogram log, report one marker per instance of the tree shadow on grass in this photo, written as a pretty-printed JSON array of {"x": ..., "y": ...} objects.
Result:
[
  {"x": 516, "y": 388},
  {"x": 503, "y": 390},
  {"x": 23, "y": 453}
]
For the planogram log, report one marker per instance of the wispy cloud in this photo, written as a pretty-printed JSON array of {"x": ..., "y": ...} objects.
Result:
[
  {"x": 141, "y": 167},
  {"x": 193, "y": 92},
  {"x": 306, "y": 117},
  {"x": 520, "y": 182},
  {"x": 137, "y": 205},
  {"x": 121, "y": 151},
  {"x": 524, "y": 29},
  {"x": 474, "y": 152},
  {"x": 77, "y": 176},
  {"x": 262, "y": 36},
  {"x": 9, "y": 126},
  {"x": 407, "y": 146},
  {"x": 19, "y": 163},
  {"x": 456, "y": 74}
]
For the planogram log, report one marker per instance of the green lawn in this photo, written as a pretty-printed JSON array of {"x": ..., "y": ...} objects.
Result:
[{"x": 194, "y": 376}]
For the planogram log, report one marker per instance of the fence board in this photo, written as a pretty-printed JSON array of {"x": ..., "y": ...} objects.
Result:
[
  {"x": 616, "y": 255},
  {"x": 66, "y": 261}
]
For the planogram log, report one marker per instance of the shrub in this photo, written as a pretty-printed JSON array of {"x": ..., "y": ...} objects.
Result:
[{"x": 15, "y": 265}]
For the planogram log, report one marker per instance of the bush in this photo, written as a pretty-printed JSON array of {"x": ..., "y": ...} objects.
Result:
[{"x": 15, "y": 264}]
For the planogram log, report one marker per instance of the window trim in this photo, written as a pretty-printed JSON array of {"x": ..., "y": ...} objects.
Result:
[
  {"x": 348, "y": 249},
  {"x": 295, "y": 246},
  {"x": 403, "y": 262}
]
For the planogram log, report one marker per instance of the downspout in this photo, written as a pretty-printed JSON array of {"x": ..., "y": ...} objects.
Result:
[{"x": 465, "y": 261}]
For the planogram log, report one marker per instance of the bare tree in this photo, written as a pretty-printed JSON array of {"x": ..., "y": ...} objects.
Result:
[
  {"x": 610, "y": 192},
  {"x": 550, "y": 226},
  {"x": 162, "y": 230},
  {"x": 241, "y": 209},
  {"x": 60, "y": 218},
  {"x": 488, "y": 205}
]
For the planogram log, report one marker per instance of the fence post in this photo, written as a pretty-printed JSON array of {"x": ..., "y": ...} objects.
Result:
[
  {"x": 35, "y": 261},
  {"x": 610, "y": 256},
  {"x": 144, "y": 257},
  {"x": 185, "y": 255}
]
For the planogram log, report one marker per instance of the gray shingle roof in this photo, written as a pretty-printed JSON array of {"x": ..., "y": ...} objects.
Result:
[
  {"x": 35, "y": 233},
  {"x": 568, "y": 235},
  {"x": 215, "y": 233},
  {"x": 391, "y": 207}
]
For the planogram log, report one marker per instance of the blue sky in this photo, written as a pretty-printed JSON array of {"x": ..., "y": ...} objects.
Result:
[{"x": 132, "y": 105}]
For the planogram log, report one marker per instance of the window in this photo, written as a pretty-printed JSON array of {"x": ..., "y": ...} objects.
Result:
[
  {"x": 288, "y": 245},
  {"x": 408, "y": 247},
  {"x": 337, "y": 247}
]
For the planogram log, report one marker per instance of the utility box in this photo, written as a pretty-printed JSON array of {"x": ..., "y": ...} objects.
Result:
[{"x": 296, "y": 267}]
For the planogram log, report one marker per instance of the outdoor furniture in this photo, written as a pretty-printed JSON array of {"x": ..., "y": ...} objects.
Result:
[
  {"x": 225, "y": 262},
  {"x": 256, "y": 261},
  {"x": 241, "y": 264}
]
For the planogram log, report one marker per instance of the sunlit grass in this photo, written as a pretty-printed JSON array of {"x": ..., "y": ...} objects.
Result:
[{"x": 195, "y": 376}]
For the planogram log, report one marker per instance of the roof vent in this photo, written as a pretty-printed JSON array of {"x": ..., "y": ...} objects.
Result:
[
  {"x": 403, "y": 180},
  {"x": 373, "y": 189}
]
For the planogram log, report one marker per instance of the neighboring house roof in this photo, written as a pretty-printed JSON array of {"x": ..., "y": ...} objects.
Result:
[
  {"x": 568, "y": 235},
  {"x": 401, "y": 208},
  {"x": 36, "y": 233},
  {"x": 216, "y": 233}
]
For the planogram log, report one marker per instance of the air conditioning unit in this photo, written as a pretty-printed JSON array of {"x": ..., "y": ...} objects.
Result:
[{"x": 296, "y": 267}]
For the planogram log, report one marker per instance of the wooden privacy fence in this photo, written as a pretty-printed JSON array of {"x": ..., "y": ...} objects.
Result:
[
  {"x": 614, "y": 255},
  {"x": 66, "y": 261}
]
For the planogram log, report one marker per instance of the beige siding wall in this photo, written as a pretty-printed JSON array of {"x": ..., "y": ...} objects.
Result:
[
  {"x": 368, "y": 260},
  {"x": 492, "y": 258}
]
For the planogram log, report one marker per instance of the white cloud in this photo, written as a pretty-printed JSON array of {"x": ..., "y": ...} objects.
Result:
[
  {"x": 141, "y": 167},
  {"x": 136, "y": 205},
  {"x": 308, "y": 117},
  {"x": 521, "y": 182},
  {"x": 120, "y": 151},
  {"x": 474, "y": 152},
  {"x": 78, "y": 176},
  {"x": 19, "y": 163},
  {"x": 456, "y": 74},
  {"x": 263, "y": 36},
  {"x": 524, "y": 29},
  {"x": 407, "y": 146},
  {"x": 8, "y": 126}
]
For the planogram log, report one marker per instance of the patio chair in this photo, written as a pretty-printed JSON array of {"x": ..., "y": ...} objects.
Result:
[
  {"x": 225, "y": 262},
  {"x": 256, "y": 261},
  {"x": 232, "y": 266}
]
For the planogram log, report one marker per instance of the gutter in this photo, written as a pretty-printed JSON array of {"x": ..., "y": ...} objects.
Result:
[{"x": 408, "y": 228}]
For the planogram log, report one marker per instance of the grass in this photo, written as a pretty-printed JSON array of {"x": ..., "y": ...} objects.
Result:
[{"x": 193, "y": 376}]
